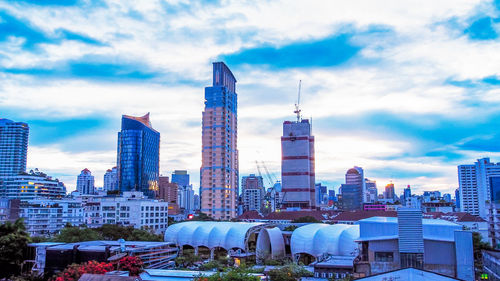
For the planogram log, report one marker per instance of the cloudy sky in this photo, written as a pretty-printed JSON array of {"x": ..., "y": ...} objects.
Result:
[{"x": 405, "y": 89}]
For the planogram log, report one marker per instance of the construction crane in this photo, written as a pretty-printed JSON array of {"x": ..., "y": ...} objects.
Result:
[
  {"x": 271, "y": 180},
  {"x": 297, "y": 105},
  {"x": 267, "y": 175}
]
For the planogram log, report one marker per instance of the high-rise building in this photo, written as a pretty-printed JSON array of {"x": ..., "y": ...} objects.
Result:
[
  {"x": 355, "y": 176},
  {"x": 371, "y": 191},
  {"x": 85, "y": 182},
  {"x": 474, "y": 185},
  {"x": 350, "y": 197},
  {"x": 457, "y": 198},
  {"x": 13, "y": 147},
  {"x": 27, "y": 186},
  {"x": 297, "y": 165},
  {"x": 219, "y": 168},
  {"x": 494, "y": 211},
  {"x": 389, "y": 191},
  {"x": 138, "y": 156},
  {"x": 406, "y": 195},
  {"x": 111, "y": 179},
  {"x": 196, "y": 200},
  {"x": 168, "y": 192},
  {"x": 185, "y": 198},
  {"x": 253, "y": 193},
  {"x": 180, "y": 177},
  {"x": 321, "y": 194}
]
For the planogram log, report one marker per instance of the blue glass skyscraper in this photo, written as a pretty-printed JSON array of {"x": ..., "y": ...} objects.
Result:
[
  {"x": 138, "y": 155},
  {"x": 13, "y": 147}
]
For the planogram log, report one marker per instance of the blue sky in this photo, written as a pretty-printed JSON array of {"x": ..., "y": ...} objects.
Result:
[{"x": 404, "y": 89}]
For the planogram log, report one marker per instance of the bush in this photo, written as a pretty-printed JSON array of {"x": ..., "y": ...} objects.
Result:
[{"x": 236, "y": 274}]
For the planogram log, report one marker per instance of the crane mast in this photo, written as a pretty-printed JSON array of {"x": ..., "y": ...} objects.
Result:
[{"x": 297, "y": 105}]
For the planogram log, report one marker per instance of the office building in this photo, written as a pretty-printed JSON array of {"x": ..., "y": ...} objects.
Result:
[
  {"x": 13, "y": 147},
  {"x": 9, "y": 210},
  {"x": 46, "y": 217},
  {"x": 297, "y": 166},
  {"x": 185, "y": 198},
  {"x": 180, "y": 177},
  {"x": 457, "y": 199},
  {"x": 350, "y": 197},
  {"x": 494, "y": 211},
  {"x": 111, "y": 180},
  {"x": 85, "y": 182},
  {"x": 371, "y": 191},
  {"x": 132, "y": 208},
  {"x": 253, "y": 193},
  {"x": 321, "y": 194},
  {"x": 474, "y": 185},
  {"x": 219, "y": 168},
  {"x": 138, "y": 156},
  {"x": 31, "y": 185},
  {"x": 196, "y": 200},
  {"x": 168, "y": 192},
  {"x": 389, "y": 192}
]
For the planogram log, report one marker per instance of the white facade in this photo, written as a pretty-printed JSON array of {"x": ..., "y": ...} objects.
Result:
[
  {"x": 131, "y": 209},
  {"x": 85, "y": 182},
  {"x": 111, "y": 180},
  {"x": 44, "y": 217},
  {"x": 475, "y": 187},
  {"x": 185, "y": 198},
  {"x": 253, "y": 200},
  {"x": 13, "y": 147}
]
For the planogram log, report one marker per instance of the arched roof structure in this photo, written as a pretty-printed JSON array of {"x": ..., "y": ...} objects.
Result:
[
  {"x": 226, "y": 235},
  {"x": 319, "y": 239}
]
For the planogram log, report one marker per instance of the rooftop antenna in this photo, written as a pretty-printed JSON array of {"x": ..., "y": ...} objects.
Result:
[{"x": 297, "y": 109}]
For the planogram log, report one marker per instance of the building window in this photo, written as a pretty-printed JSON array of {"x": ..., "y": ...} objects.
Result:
[{"x": 384, "y": 256}]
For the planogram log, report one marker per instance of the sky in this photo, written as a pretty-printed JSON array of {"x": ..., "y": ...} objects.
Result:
[{"x": 407, "y": 90}]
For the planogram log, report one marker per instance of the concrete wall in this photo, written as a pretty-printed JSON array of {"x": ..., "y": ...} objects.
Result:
[{"x": 439, "y": 257}]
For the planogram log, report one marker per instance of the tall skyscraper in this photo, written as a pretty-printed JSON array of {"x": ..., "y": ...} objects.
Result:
[
  {"x": 371, "y": 195},
  {"x": 13, "y": 147},
  {"x": 389, "y": 191},
  {"x": 85, "y": 182},
  {"x": 474, "y": 185},
  {"x": 219, "y": 167},
  {"x": 180, "y": 177},
  {"x": 138, "y": 156},
  {"x": 111, "y": 179},
  {"x": 457, "y": 198},
  {"x": 297, "y": 165},
  {"x": 356, "y": 176}
]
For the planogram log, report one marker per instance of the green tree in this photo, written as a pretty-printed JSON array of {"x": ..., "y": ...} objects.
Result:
[
  {"x": 72, "y": 234},
  {"x": 479, "y": 245},
  {"x": 13, "y": 241},
  {"x": 290, "y": 272},
  {"x": 305, "y": 219},
  {"x": 202, "y": 217},
  {"x": 290, "y": 228},
  {"x": 234, "y": 274}
]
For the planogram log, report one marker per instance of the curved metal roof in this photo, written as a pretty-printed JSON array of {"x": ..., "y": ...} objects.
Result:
[
  {"x": 318, "y": 239},
  {"x": 227, "y": 235}
]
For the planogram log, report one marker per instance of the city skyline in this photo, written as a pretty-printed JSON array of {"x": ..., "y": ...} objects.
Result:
[{"x": 406, "y": 96}]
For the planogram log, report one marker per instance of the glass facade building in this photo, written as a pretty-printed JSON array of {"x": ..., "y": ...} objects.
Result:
[
  {"x": 13, "y": 147},
  {"x": 138, "y": 156}
]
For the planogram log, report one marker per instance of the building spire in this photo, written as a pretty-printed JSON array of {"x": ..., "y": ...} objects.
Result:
[{"x": 297, "y": 105}]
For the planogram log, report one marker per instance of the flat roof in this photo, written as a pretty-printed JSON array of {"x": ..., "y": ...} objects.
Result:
[{"x": 395, "y": 220}]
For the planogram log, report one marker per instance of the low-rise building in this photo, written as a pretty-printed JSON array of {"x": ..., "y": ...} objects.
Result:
[
  {"x": 45, "y": 216},
  {"x": 130, "y": 209}
]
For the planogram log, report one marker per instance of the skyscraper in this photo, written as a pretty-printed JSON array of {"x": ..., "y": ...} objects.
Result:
[
  {"x": 13, "y": 147},
  {"x": 371, "y": 195},
  {"x": 85, "y": 182},
  {"x": 297, "y": 165},
  {"x": 111, "y": 179},
  {"x": 474, "y": 185},
  {"x": 356, "y": 176},
  {"x": 389, "y": 191},
  {"x": 138, "y": 156},
  {"x": 219, "y": 167},
  {"x": 168, "y": 192},
  {"x": 180, "y": 177}
]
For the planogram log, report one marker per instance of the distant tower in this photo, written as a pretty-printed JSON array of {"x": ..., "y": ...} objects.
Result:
[
  {"x": 297, "y": 163},
  {"x": 219, "y": 167},
  {"x": 85, "y": 182},
  {"x": 13, "y": 147},
  {"x": 111, "y": 180},
  {"x": 389, "y": 191},
  {"x": 138, "y": 156}
]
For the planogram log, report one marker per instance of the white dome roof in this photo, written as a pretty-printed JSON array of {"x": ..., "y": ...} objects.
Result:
[
  {"x": 227, "y": 235},
  {"x": 317, "y": 239}
]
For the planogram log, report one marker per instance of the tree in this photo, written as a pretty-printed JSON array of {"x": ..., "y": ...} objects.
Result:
[
  {"x": 72, "y": 234},
  {"x": 235, "y": 274},
  {"x": 202, "y": 217},
  {"x": 13, "y": 241},
  {"x": 290, "y": 228},
  {"x": 306, "y": 219},
  {"x": 290, "y": 272},
  {"x": 479, "y": 245}
]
